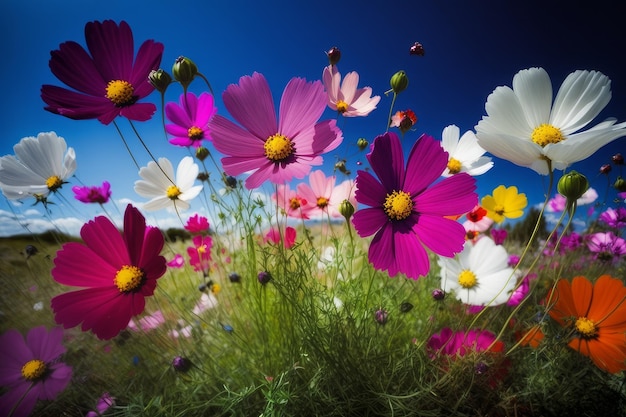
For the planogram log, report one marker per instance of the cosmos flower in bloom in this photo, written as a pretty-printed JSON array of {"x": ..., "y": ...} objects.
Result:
[
  {"x": 506, "y": 203},
  {"x": 190, "y": 119},
  {"x": 277, "y": 151},
  {"x": 275, "y": 236},
  {"x": 606, "y": 246},
  {"x": 525, "y": 127},
  {"x": 290, "y": 202},
  {"x": 403, "y": 120},
  {"x": 323, "y": 197},
  {"x": 615, "y": 218},
  {"x": 200, "y": 253},
  {"x": 117, "y": 272},
  {"x": 464, "y": 153},
  {"x": 407, "y": 208},
  {"x": 197, "y": 224},
  {"x": 481, "y": 274},
  {"x": 596, "y": 312},
  {"x": 105, "y": 402},
  {"x": 348, "y": 100},
  {"x": 30, "y": 369},
  {"x": 40, "y": 166},
  {"x": 108, "y": 80},
  {"x": 165, "y": 189},
  {"x": 460, "y": 343},
  {"x": 93, "y": 194}
]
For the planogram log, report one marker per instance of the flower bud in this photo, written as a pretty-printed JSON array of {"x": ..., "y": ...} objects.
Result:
[
  {"x": 230, "y": 181},
  {"x": 234, "y": 277},
  {"x": 334, "y": 55},
  {"x": 417, "y": 49},
  {"x": 438, "y": 294},
  {"x": 572, "y": 185},
  {"x": 203, "y": 176},
  {"x": 341, "y": 166},
  {"x": 181, "y": 364},
  {"x": 620, "y": 184},
  {"x": 381, "y": 316},
  {"x": 264, "y": 277},
  {"x": 605, "y": 169},
  {"x": 160, "y": 80},
  {"x": 184, "y": 70},
  {"x": 362, "y": 143},
  {"x": 405, "y": 307},
  {"x": 346, "y": 209},
  {"x": 202, "y": 153},
  {"x": 399, "y": 82},
  {"x": 618, "y": 159}
]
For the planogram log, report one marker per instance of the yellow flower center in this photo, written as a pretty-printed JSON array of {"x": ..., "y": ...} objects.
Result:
[
  {"x": 546, "y": 134},
  {"x": 278, "y": 148},
  {"x": 195, "y": 133},
  {"x": 322, "y": 202},
  {"x": 54, "y": 183},
  {"x": 586, "y": 327},
  {"x": 294, "y": 203},
  {"x": 120, "y": 93},
  {"x": 215, "y": 289},
  {"x": 33, "y": 369},
  {"x": 467, "y": 279},
  {"x": 129, "y": 278},
  {"x": 499, "y": 209},
  {"x": 202, "y": 249},
  {"x": 398, "y": 205},
  {"x": 454, "y": 165},
  {"x": 173, "y": 192},
  {"x": 342, "y": 106}
]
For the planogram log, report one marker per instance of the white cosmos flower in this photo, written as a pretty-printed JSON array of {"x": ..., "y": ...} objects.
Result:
[
  {"x": 165, "y": 189},
  {"x": 464, "y": 154},
  {"x": 523, "y": 126},
  {"x": 480, "y": 275},
  {"x": 40, "y": 166}
]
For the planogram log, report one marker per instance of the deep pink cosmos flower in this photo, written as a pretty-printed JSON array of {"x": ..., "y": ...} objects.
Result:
[
  {"x": 615, "y": 218},
  {"x": 190, "y": 119},
  {"x": 275, "y": 151},
  {"x": 274, "y": 235},
  {"x": 30, "y": 369},
  {"x": 499, "y": 235},
  {"x": 177, "y": 262},
  {"x": 107, "y": 81},
  {"x": 200, "y": 253},
  {"x": 606, "y": 246},
  {"x": 197, "y": 224},
  {"x": 93, "y": 194},
  {"x": 117, "y": 272},
  {"x": 460, "y": 343},
  {"x": 407, "y": 210}
]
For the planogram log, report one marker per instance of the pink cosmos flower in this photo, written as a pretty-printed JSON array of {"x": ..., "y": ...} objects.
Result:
[
  {"x": 109, "y": 82},
  {"x": 190, "y": 119},
  {"x": 521, "y": 291},
  {"x": 557, "y": 203},
  {"x": 146, "y": 323},
  {"x": 407, "y": 211},
  {"x": 275, "y": 236},
  {"x": 348, "y": 100},
  {"x": 499, "y": 235},
  {"x": 274, "y": 151},
  {"x": 104, "y": 403},
  {"x": 615, "y": 218},
  {"x": 323, "y": 197},
  {"x": 197, "y": 224},
  {"x": 460, "y": 343},
  {"x": 606, "y": 246},
  {"x": 177, "y": 262},
  {"x": 290, "y": 202},
  {"x": 200, "y": 253},
  {"x": 30, "y": 369},
  {"x": 93, "y": 194},
  {"x": 117, "y": 272}
]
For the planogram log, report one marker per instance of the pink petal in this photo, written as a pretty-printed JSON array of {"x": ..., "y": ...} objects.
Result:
[
  {"x": 452, "y": 196},
  {"x": 443, "y": 236},
  {"x": 230, "y": 139},
  {"x": 369, "y": 220},
  {"x": 387, "y": 161},
  {"x": 301, "y": 106},
  {"x": 425, "y": 164}
]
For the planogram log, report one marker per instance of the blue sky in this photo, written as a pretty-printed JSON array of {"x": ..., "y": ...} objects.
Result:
[{"x": 471, "y": 48}]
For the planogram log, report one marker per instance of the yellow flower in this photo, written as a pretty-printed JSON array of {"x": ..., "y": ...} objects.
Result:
[{"x": 506, "y": 203}]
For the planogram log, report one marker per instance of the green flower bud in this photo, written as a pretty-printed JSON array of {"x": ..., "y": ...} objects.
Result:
[
  {"x": 399, "y": 82},
  {"x": 572, "y": 185},
  {"x": 620, "y": 184},
  {"x": 362, "y": 143},
  {"x": 184, "y": 70},
  {"x": 202, "y": 153},
  {"x": 160, "y": 80},
  {"x": 346, "y": 209}
]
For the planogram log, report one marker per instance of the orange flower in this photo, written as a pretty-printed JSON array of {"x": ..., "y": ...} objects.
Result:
[{"x": 597, "y": 315}]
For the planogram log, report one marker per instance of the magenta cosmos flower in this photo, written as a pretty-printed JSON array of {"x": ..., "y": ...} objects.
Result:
[
  {"x": 200, "y": 253},
  {"x": 190, "y": 119},
  {"x": 459, "y": 343},
  {"x": 117, "y": 271},
  {"x": 197, "y": 224},
  {"x": 274, "y": 150},
  {"x": 30, "y": 369},
  {"x": 107, "y": 81},
  {"x": 407, "y": 210},
  {"x": 93, "y": 194}
]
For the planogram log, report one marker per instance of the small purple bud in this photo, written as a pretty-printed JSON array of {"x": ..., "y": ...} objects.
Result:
[
  {"x": 417, "y": 49},
  {"x": 605, "y": 169},
  {"x": 481, "y": 368},
  {"x": 334, "y": 55},
  {"x": 618, "y": 159},
  {"x": 234, "y": 277},
  {"x": 381, "y": 316},
  {"x": 438, "y": 294},
  {"x": 181, "y": 364},
  {"x": 264, "y": 277}
]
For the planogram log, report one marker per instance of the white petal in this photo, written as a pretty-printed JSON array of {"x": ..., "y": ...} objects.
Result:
[
  {"x": 534, "y": 90},
  {"x": 450, "y": 139}
]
